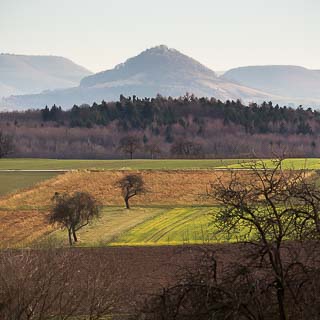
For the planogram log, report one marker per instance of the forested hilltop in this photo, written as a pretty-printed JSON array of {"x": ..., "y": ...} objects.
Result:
[{"x": 185, "y": 127}]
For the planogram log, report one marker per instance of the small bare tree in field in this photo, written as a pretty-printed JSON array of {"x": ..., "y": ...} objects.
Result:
[
  {"x": 129, "y": 145},
  {"x": 153, "y": 149},
  {"x": 131, "y": 185},
  {"x": 6, "y": 144},
  {"x": 74, "y": 212},
  {"x": 271, "y": 208}
]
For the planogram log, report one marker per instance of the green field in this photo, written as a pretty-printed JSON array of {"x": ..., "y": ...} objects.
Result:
[
  {"x": 146, "y": 226},
  {"x": 14, "y": 181},
  {"x": 114, "y": 221},
  {"x": 174, "y": 226},
  {"x": 296, "y": 164},
  {"x": 55, "y": 164}
]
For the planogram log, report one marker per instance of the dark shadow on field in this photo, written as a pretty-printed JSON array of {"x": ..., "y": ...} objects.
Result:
[{"x": 127, "y": 275}]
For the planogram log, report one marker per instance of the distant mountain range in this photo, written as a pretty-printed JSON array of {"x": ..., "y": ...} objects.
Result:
[
  {"x": 159, "y": 70},
  {"x": 288, "y": 81},
  {"x": 22, "y": 74}
]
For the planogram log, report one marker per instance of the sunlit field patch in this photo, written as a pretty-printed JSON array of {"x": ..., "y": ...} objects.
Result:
[
  {"x": 148, "y": 226},
  {"x": 288, "y": 164}
]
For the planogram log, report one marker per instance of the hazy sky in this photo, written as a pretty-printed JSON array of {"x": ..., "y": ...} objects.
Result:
[{"x": 99, "y": 34}]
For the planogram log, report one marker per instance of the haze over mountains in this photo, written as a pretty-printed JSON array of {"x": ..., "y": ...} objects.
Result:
[
  {"x": 22, "y": 74},
  {"x": 288, "y": 81},
  {"x": 158, "y": 70}
]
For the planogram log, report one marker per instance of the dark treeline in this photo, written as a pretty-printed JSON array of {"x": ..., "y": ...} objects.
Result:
[
  {"x": 135, "y": 113},
  {"x": 212, "y": 127}
]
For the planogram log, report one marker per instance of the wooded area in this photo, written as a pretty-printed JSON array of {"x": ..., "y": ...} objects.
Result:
[{"x": 186, "y": 127}]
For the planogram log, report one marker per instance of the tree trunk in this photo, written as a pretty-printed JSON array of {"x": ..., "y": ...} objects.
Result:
[
  {"x": 74, "y": 235},
  {"x": 126, "y": 199},
  {"x": 70, "y": 238},
  {"x": 280, "y": 297}
]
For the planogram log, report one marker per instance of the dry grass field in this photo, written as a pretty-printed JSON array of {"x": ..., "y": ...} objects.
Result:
[
  {"x": 173, "y": 210},
  {"x": 23, "y": 214},
  {"x": 172, "y": 187},
  {"x": 18, "y": 228}
]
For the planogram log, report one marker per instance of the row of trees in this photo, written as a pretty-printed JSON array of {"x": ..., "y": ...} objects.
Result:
[
  {"x": 128, "y": 145},
  {"x": 131, "y": 145},
  {"x": 218, "y": 141},
  {"x": 182, "y": 148},
  {"x": 140, "y": 114},
  {"x": 208, "y": 127}
]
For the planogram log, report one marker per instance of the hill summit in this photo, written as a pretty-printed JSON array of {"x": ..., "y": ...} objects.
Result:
[{"x": 159, "y": 65}]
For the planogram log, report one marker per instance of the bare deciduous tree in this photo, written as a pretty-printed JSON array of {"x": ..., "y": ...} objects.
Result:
[
  {"x": 47, "y": 284},
  {"x": 226, "y": 284},
  {"x": 186, "y": 149},
  {"x": 131, "y": 185},
  {"x": 269, "y": 208},
  {"x": 74, "y": 212},
  {"x": 153, "y": 149},
  {"x": 6, "y": 144},
  {"x": 129, "y": 145}
]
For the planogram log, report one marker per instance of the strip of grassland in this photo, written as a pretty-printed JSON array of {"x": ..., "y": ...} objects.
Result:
[
  {"x": 148, "y": 164},
  {"x": 113, "y": 222},
  {"x": 176, "y": 226},
  {"x": 145, "y": 164},
  {"x": 293, "y": 163},
  {"x": 14, "y": 181},
  {"x": 146, "y": 226}
]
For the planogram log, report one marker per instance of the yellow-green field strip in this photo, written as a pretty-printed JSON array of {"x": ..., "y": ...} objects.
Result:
[{"x": 147, "y": 226}]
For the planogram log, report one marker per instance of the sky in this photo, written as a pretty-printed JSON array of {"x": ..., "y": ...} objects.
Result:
[{"x": 221, "y": 34}]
